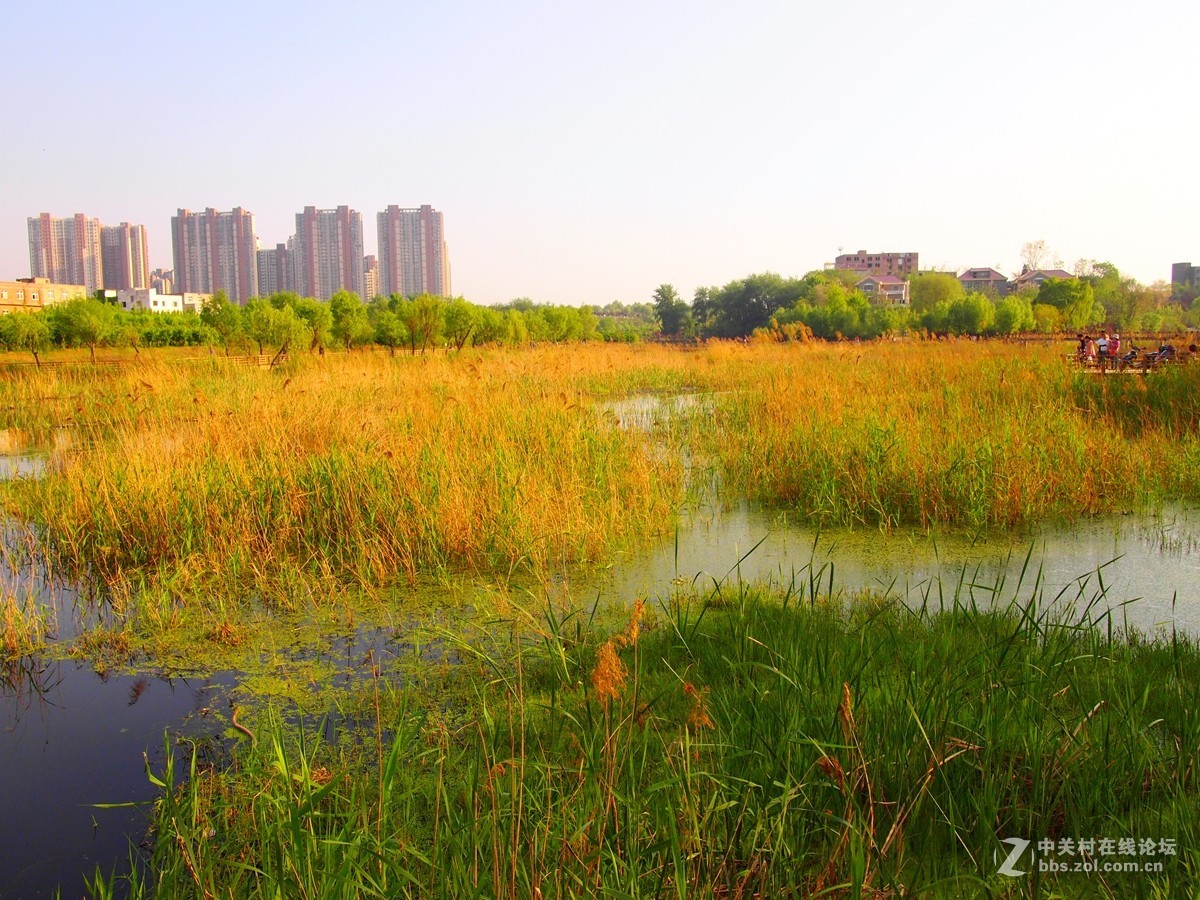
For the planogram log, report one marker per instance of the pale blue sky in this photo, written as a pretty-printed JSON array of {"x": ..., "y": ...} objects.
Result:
[{"x": 587, "y": 153}]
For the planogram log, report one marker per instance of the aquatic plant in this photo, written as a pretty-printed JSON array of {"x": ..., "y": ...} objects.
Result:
[
  {"x": 366, "y": 468},
  {"x": 25, "y": 624},
  {"x": 749, "y": 742},
  {"x": 958, "y": 434}
]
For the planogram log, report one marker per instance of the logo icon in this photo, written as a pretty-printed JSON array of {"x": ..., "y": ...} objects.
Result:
[{"x": 1019, "y": 846}]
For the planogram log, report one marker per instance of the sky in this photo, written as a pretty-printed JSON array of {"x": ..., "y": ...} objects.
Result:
[{"x": 584, "y": 153}]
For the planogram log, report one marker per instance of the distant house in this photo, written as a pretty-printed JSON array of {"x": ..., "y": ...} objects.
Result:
[
  {"x": 878, "y": 263},
  {"x": 985, "y": 281},
  {"x": 151, "y": 299},
  {"x": 26, "y": 294},
  {"x": 885, "y": 289},
  {"x": 1033, "y": 278}
]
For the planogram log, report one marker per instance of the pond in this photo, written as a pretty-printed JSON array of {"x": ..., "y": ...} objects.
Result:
[
  {"x": 1145, "y": 567},
  {"x": 72, "y": 739}
]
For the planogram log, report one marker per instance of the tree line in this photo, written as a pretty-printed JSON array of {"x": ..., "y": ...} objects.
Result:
[
  {"x": 827, "y": 304},
  {"x": 823, "y": 304},
  {"x": 287, "y": 322}
]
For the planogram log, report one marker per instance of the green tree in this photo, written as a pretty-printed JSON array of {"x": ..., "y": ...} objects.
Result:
[
  {"x": 461, "y": 320},
  {"x": 430, "y": 317},
  {"x": 740, "y": 307},
  {"x": 492, "y": 328},
  {"x": 971, "y": 314},
  {"x": 26, "y": 331},
  {"x": 223, "y": 318},
  {"x": 1047, "y": 319},
  {"x": 268, "y": 326},
  {"x": 930, "y": 288},
  {"x": 351, "y": 326},
  {"x": 517, "y": 327},
  {"x": 389, "y": 330},
  {"x": 589, "y": 325},
  {"x": 537, "y": 328},
  {"x": 1014, "y": 315},
  {"x": 674, "y": 314},
  {"x": 936, "y": 319},
  {"x": 1074, "y": 298},
  {"x": 86, "y": 321},
  {"x": 318, "y": 319}
]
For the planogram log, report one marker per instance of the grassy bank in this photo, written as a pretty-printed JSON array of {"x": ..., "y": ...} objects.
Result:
[
  {"x": 927, "y": 435},
  {"x": 746, "y": 743}
]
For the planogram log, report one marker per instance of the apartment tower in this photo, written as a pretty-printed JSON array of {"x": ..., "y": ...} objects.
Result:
[
  {"x": 412, "y": 252},
  {"x": 66, "y": 251},
  {"x": 215, "y": 251},
  {"x": 125, "y": 255},
  {"x": 327, "y": 252},
  {"x": 370, "y": 278},
  {"x": 275, "y": 271}
]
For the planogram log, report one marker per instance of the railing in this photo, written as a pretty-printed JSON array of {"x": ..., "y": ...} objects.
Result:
[{"x": 262, "y": 360}]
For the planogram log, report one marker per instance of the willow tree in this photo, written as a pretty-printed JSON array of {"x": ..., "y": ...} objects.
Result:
[{"x": 26, "y": 331}]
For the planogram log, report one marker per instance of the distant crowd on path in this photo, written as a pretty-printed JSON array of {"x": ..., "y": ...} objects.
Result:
[{"x": 1105, "y": 351}]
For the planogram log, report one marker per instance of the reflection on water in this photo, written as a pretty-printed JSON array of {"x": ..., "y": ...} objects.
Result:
[
  {"x": 71, "y": 738},
  {"x": 1152, "y": 560},
  {"x": 1145, "y": 566},
  {"x": 21, "y": 465},
  {"x": 645, "y": 412}
]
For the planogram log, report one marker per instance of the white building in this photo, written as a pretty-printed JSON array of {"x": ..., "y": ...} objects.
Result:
[{"x": 151, "y": 299}]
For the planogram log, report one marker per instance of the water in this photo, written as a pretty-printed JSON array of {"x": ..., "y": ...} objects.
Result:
[
  {"x": 21, "y": 465},
  {"x": 647, "y": 412},
  {"x": 71, "y": 738},
  {"x": 1146, "y": 567}
]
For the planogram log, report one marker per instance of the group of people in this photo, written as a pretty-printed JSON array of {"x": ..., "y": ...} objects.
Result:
[
  {"x": 1098, "y": 350},
  {"x": 1105, "y": 351}
]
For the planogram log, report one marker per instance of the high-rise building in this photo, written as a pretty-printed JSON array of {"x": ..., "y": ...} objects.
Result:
[
  {"x": 1185, "y": 281},
  {"x": 163, "y": 281},
  {"x": 370, "y": 278},
  {"x": 412, "y": 252},
  {"x": 275, "y": 271},
  {"x": 126, "y": 258},
  {"x": 327, "y": 252},
  {"x": 215, "y": 251},
  {"x": 66, "y": 251}
]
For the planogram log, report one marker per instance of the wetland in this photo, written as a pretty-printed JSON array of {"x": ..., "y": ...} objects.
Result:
[{"x": 497, "y": 620}]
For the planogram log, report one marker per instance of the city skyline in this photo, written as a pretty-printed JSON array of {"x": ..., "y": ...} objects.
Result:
[
  {"x": 326, "y": 254},
  {"x": 216, "y": 250},
  {"x": 590, "y": 155}
]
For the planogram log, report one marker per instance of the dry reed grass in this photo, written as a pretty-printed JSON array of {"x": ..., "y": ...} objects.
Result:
[
  {"x": 357, "y": 465},
  {"x": 926, "y": 434},
  {"x": 369, "y": 468}
]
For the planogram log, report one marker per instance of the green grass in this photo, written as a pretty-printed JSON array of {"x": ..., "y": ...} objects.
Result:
[{"x": 752, "y": 742}]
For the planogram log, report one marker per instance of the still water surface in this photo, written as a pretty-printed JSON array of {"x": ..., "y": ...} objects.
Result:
[{"x": 1146, "y": 567}]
